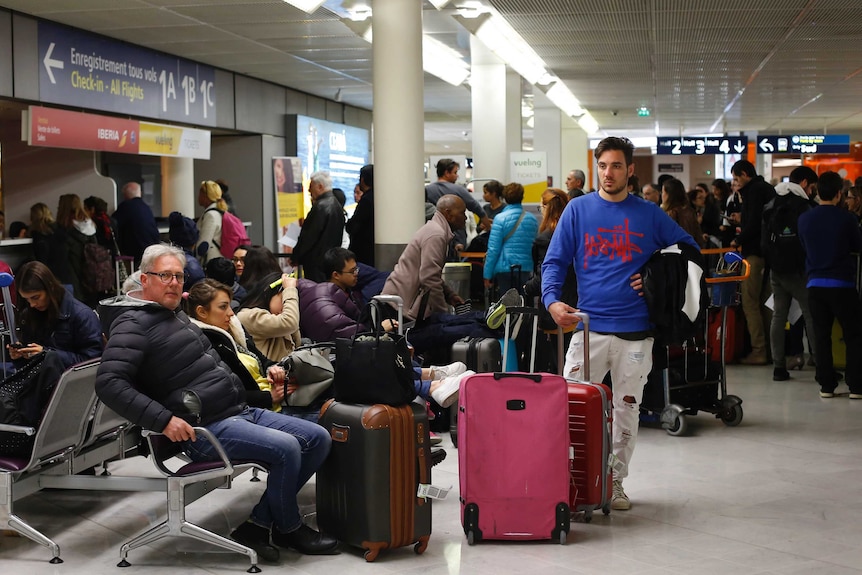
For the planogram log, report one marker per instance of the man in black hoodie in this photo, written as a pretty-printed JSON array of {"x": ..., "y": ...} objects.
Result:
[{"x": 756, "y": 193}]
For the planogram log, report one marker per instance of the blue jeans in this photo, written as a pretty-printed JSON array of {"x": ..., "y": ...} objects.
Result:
[
  {"x": 422, "y": 386},
  {"x": 292, "y": 448}
]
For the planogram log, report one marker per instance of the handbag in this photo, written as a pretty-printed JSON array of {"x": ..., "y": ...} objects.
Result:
[
  {"x": 313, "y": 372},
  {"x": 373, "y": 367},
  {"x": 23, "y": 397}
]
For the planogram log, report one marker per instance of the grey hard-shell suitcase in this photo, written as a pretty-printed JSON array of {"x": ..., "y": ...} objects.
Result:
[{"x": 367, "y": 487}]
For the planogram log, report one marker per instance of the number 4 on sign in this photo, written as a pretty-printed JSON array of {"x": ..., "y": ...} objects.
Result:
[
  {"x": 169, "y": 90},
  {"x": 724, "y": 147}
]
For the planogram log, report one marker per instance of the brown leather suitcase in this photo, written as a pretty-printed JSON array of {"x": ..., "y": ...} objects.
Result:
[{"x": 366, "y": 488}]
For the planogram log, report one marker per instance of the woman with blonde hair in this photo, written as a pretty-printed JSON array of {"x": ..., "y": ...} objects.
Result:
[{"x": 210, "y": 198}]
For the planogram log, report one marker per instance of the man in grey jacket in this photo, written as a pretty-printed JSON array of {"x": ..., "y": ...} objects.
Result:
[{"x": 160, "y": 372}]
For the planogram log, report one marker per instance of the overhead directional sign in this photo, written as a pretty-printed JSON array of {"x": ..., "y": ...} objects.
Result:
[
  {"x": 804, "y": 144},
  {"x": 702, "y": 146},
  {"x": 80, "y": 69}
]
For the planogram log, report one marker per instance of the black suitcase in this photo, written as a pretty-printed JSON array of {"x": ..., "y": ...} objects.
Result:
[
  {"x": 480, "y": 354},
  {"x": 366, "y": 488}
]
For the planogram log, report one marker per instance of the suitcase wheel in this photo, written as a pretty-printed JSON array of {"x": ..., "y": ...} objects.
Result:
[
  {"x": 371, "y": 554},
  {"x": 606, "y": 509},
  {"x": 471, "y": 537},
  {"x": 562, "y": 537},
  {"x": 421, "y": 546},
  {"x": 588, "y": 515}
]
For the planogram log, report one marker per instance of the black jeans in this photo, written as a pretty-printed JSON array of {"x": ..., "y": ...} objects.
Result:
[{"x": 827, "y": 305}]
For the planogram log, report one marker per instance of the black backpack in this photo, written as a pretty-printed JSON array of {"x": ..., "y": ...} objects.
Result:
[{"x": 781, "y": 245}]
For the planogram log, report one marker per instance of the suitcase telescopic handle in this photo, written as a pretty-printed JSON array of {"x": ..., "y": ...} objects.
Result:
[{"x": 585, "y": 319}]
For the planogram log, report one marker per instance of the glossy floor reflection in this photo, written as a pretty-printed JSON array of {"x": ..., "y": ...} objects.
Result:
[{"x": 779, "y": 494}]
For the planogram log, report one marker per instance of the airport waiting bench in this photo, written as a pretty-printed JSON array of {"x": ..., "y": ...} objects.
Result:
[{"x": 79, "y": 432}]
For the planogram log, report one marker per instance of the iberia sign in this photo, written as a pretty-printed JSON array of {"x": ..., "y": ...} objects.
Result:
[{"x": 52, "y": 128}]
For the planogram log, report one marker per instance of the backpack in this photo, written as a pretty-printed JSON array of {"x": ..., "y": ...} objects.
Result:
[
  {"x": 233, "y": 234},
  {"x": 98, "y": 273},
  {"x": 781, "y": 246}
]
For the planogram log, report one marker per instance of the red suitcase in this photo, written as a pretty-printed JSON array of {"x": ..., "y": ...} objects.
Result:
[
  {"x": 512, "y": 456},
  {"x": 590, "y": 432}
]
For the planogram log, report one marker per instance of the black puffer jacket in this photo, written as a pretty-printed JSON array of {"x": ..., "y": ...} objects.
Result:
[
  {"x": 227, "y": 349},
  {"x": 153, "y": 357}
]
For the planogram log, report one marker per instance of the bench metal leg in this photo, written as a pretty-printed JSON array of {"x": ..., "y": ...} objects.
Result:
[
  {"x": 176, "y": 525},
  {"x": 19, "y": 525}
]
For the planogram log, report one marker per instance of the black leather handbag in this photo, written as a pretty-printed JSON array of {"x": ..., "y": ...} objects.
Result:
[{"x": 374, "y": 367}]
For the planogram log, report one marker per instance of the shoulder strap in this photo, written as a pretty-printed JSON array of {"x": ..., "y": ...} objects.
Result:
[{"x": 518, "y": 223}]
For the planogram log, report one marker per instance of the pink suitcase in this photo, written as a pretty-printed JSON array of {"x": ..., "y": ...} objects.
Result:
[{"x": 513, "y": 456}]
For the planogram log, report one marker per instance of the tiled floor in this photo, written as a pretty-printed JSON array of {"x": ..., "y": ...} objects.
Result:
[{"x": 780, "y": 494}]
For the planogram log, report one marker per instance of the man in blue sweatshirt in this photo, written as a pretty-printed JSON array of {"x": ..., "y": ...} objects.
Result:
[
  {"x": 831, "y": 237},
  {"x": 608, "y": 237}
]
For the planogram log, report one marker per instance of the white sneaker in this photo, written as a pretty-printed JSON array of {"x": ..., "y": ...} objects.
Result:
[
  {"x": 444, "y": 371},
  {"x": 447, "y": 392},
  {"x": 619, "y": 500}
]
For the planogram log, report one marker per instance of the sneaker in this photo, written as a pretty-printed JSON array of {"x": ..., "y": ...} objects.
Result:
[
  {"x": 827, "y": 394},
  {"x": 435, "y": 439},
  {"x": 497, "y": 312},
  {"x": 780, "y": 374},
  {"x": 447, "y": 392},
  {"x": 257, "y": 538},
  {"x": 443, "y": 371},
  {"x": 620, "y": 501}
]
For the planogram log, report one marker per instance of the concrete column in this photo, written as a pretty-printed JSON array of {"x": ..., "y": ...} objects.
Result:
[
  {"x": 179, "y": 189},
  {"x": 398, "y": 120},
  {"x": 490, "y": 92},
  {"x": 547, "y": 134},
  {"x": 575, "y": 153}
]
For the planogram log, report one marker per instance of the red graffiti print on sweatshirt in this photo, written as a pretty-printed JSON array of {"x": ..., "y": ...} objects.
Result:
[{"x": 612, "y": 243}]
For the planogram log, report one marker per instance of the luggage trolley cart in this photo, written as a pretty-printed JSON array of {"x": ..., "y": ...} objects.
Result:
[{"x": 688, "y": 382}]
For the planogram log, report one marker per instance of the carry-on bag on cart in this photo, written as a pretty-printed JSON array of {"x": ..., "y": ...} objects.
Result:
[
  {"x": 512, "y": 457},
  {"x": 367, "y": 487},
  {"x": 590, "y": 433}
]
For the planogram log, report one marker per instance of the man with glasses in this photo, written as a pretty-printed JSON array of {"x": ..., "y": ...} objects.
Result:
[
  {"x": 608, "y": 237},
  {"x": 786, "y": 260},
  {"x": 160, "y": 372}
]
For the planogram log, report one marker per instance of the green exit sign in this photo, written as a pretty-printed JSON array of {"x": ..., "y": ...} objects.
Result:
[{"x": 643, "y": 112}]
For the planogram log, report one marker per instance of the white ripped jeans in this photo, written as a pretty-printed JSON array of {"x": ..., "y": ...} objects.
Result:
[{"x": 629, "y": 363}]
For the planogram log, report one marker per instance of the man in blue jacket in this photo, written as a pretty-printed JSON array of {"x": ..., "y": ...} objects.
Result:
[{"x": 608, "y": 237}]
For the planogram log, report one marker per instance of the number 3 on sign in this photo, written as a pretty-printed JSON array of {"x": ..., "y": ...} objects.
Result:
[
  {"x": 700, "y": 147},
  {"x": 166, "y": 81}
]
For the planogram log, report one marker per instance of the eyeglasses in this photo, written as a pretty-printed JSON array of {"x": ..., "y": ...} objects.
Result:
[
  {"x": 540, "y": 208},
  {"x": 354, "y": 271},
  {"x": 166, "y": 277},
  {"x": 238, "y": 260}
]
